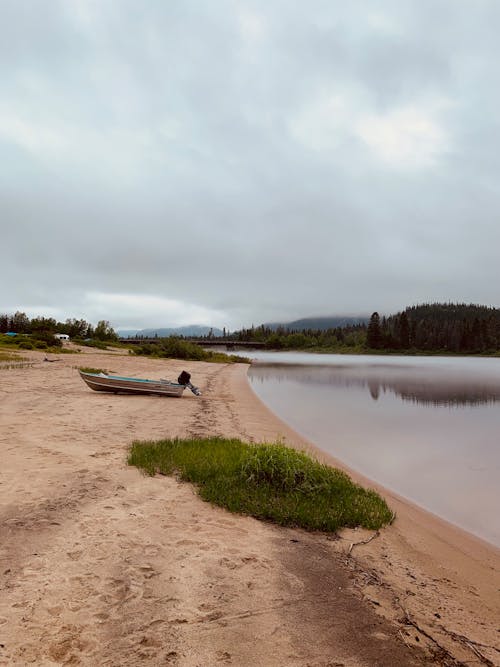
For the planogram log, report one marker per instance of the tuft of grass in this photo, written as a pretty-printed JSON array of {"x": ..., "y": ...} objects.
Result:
[
  {"x": 267, "y": 481},
  {"x": 96, "y": 371},
  {"x": 10, "y": 360},
  {"x": 7, "y": 356}
]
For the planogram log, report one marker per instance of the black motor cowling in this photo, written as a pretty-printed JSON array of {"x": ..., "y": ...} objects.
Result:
[{"x": 184, "y": 378}]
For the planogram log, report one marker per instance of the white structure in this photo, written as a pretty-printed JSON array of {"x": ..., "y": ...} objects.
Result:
[{"x": 61, "y": 336}]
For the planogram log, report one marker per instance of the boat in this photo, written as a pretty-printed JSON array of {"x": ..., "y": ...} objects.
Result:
[{"x": 125, "y": 385}]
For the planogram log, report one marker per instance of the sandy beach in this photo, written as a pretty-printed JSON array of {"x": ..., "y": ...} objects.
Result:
[{"x": 100, "y": 565}]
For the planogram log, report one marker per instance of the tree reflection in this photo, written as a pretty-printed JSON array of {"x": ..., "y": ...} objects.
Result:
[{"x": 416, "y": 385}]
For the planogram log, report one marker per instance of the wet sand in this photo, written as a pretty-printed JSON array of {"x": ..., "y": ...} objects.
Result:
[{"x": 100, "y": 565}]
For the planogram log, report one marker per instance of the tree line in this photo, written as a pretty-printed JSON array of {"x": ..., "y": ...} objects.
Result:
[
  {"x": 20, "y": 323},
  {"x": 434, "y": 327},
  {"x": 458, "y": 328},
  {"x": 282, "y": 338}
]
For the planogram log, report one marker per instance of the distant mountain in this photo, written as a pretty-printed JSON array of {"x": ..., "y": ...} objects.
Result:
[
  {"x": 190, "y": 330},
  {"x": 318, "y": 323},
  {"x": 126, "y": 333}
]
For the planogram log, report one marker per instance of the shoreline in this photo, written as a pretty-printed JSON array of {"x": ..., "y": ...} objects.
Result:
[
  {"x": 99, "y": 563},
  {"x": 461, "y": 533}
]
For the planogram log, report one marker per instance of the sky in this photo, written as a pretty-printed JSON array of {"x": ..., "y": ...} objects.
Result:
[{"x": 233, "y": 162}]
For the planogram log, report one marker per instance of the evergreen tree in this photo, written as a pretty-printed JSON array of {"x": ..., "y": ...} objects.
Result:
[
  {"x": 404, "y": 331},
  {"x": 374, "y": 333},
  {"x": 19, "y": 322}
]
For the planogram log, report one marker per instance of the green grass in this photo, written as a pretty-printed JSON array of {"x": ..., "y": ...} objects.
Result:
[
  {"x": 95, "y": 371},
  {"x": 7, "y": 356},
  {"x": 176, "y": 348},
  {"x": 10, "y": 360},
  {"x": 267, "y": 481},
  {"x": 92, "y": 342},
  {"x": 23, "y": 342}
]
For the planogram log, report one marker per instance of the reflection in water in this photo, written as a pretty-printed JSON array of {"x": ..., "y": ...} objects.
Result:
[
  {"x": 410, "y": 384},
  {"x": 425, "y": 428}
]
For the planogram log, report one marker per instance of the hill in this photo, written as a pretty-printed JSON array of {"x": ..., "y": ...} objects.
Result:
[
  {"x": 165, "y": 332},
  {"x": 318, "y": 323}
]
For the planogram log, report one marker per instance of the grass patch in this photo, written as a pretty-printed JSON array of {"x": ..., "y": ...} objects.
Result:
[
  {"x": 38, "y": 342},
  {"x": 267, "y": 481},
  {"x": 96, "y": 371},
  {"x": 10, "y": 360},
  {"x": 176, "y": 348},
  {"x": 92, "y": 342},
  {"x": 7, "y": 356}
]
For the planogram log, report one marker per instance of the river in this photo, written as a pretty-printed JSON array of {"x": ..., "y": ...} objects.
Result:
[{"x": 427, "y": 428}]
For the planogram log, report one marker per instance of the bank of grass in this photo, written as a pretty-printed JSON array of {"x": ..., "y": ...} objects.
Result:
[
  {"x": 267, "y": 481},
  {"x": 94, "y": 371},
  {"x": 92, "y": 342},
  {"x": 177, "y": 348},
  {"x": 7, "y": 356},
  {"x": 24, "y": 342}
]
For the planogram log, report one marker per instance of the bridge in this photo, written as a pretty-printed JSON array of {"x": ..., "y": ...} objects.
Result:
[{"x": 204, "y": 342}]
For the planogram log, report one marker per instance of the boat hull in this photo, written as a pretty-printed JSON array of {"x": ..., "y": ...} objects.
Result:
[{"x": 122, "y": 385}]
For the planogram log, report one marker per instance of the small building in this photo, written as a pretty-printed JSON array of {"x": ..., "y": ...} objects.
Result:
[{"x": 61, "y": 336}]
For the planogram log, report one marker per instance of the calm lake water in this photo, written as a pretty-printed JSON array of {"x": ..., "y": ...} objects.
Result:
[{"x": 425, "y": 427}]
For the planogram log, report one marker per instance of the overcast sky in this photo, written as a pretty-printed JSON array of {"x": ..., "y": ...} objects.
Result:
[{"x": 231, "y": 162}]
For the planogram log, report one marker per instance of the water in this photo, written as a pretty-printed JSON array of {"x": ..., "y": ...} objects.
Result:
[{"x": 425, "y": 427}]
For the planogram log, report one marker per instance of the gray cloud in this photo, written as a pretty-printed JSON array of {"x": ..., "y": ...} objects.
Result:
[{"x": 245, "y": 161}]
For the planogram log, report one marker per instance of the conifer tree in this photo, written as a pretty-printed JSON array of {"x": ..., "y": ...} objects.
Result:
[
  {"x": 374, "y": 334},
  {"x": 404, "y": 331}
]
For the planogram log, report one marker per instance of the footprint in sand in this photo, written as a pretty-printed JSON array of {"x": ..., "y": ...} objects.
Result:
[
  {"x": 101, "y": 616},
  {"x": 55, "y": 611},
  {"x": 151, "y": 550},
  {"x": 148, "y": 572}
]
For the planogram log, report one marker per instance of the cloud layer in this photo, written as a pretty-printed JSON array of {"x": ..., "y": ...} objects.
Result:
[{"x": 235, "y": 162}]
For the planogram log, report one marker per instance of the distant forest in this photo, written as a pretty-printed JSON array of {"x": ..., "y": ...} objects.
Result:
[
  {"x": 20, "y": 323},
  {"x": 434, "y": 327},
  {"x": 427, "y": 328},
  {"x": 458, "y": 328}
]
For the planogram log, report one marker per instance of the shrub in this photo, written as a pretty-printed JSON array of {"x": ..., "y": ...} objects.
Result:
[
  {"x": 267, "y": 481},
  {"x": 46, "y": 337},
  {"x": 177, "y": 348},
  {"x": 12, "y": 341}
]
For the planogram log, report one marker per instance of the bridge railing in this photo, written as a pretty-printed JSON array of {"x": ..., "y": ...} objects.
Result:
[{"x": 204, "y": 342}]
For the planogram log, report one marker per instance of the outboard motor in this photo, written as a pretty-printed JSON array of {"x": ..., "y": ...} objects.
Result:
[{"x": 184, "y": 379}]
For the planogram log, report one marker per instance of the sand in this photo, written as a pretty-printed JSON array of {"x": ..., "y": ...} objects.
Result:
[{"x": 100, "y": 565}]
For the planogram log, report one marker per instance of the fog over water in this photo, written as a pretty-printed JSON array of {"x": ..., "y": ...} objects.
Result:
[{"x": 425, "y": 427}]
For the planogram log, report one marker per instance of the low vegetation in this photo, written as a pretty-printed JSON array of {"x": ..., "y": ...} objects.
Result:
[
  {"x": 8, "y": 356},
  {"x": 91, "y": 342},
  {"x": 177, "y": 348},
  {"x": 38, "y": 341},
  {"x": 95, "y": 371},
  {"x": 267, "y": 481},
  {"x": 10, "y": 360}
]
